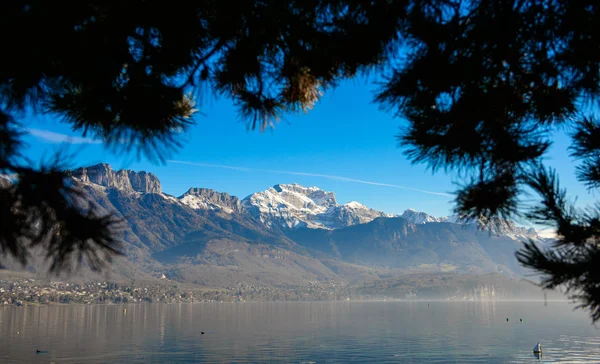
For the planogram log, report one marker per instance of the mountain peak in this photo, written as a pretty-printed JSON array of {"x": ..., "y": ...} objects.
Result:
[
  {"x": 303, "y": 197},
  {"x": 102, "y": 174},
  {"x": 294, "y": 206},
  {"x": 419, "y": 217},
  {"x": 355, "y": 205},
  {"x": 495, "y": 225},
  {"x": 209, "y": 199},
  {"x": 296, "y": 187},
  {"x": 505, "y": 227}
]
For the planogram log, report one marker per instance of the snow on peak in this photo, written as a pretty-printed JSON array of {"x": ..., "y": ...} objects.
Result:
[
  {"x": 509, "y": 229},
  {"x": 207, "y": 199},
  {"x": 497, "y": 226},
  {"x": 294, "y": 206},
  {"x": 304, "y": 197},
  {"x": 355, "y": 205},
  {"x": 418, "y": 217}
]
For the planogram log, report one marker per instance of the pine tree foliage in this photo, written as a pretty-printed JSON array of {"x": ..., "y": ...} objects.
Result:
[
  {"x": 127, "y": 72},
  {"x": 482, "y": 84}
]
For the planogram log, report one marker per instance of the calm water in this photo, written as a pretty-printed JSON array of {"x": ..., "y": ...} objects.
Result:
[{"x": 342, "y": 332}]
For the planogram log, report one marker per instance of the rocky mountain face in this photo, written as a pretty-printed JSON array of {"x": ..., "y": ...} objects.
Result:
[
  {"x": 398, "y": 243},
  {"x": 498, "y": 227},
  {"x": 124, "y": 180},
  {"x": 292, "y": 206},
  {"x": 207, "y": 199},
  {"x": 418, "y": 217},
  {"x": 163, "y": 234},
  {"x": 287, "y": 234},
  {"x": 509, "y": 229}
]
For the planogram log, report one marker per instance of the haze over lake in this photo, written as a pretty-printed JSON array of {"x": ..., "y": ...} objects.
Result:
[{"x": 286, "y": 332}]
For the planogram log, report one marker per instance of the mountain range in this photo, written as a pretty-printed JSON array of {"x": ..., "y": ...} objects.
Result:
[{"x": 287, "y": 234}]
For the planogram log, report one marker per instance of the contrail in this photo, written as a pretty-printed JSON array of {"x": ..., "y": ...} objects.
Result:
[{"x": 327, "y": 176}]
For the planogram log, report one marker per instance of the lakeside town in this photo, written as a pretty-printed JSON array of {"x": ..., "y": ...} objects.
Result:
[
  {"x": 29, "y": 291},
  {"x": 22, "y": 289}
]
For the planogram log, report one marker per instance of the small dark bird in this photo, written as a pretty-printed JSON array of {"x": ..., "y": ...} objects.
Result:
[{"x": 201, "y": 332}]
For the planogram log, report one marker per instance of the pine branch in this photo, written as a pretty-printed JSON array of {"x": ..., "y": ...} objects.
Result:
[
  {"x": 45, "y": 208},
  {"x": 586, "y": 146}
]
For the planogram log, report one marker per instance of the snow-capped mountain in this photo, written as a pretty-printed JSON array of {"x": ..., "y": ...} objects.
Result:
[
  {"x": 510, "y": 229},
  {"x": 294, "y": 206},
  {"x": 288, "y": 206},
  {"x": 351, "y": 213},
  {"x": 217, "y": 239},
  {"x": 207, "y": 199},
  {"x": 419, "y": 217},
  {"x": 497, "y": 226}
]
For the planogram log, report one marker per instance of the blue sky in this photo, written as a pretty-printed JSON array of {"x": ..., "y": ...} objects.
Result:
[{"x": 346, "y": 135}]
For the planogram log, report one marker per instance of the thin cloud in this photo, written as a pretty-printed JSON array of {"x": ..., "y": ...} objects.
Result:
[
  {"x": 213, "y": 166},
  {"x": 326, "y": 176},
  {"x": 53, "y": 137}
]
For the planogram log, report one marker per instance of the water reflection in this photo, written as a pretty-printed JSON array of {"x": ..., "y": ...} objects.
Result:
[{"x": 299, "y": 332}]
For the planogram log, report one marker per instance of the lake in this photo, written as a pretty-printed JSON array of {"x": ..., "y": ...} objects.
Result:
[{"x": 302, "y": 332}]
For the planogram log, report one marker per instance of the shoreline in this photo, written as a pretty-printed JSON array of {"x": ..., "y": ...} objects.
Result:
[{"x": 57, "y": 304}]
